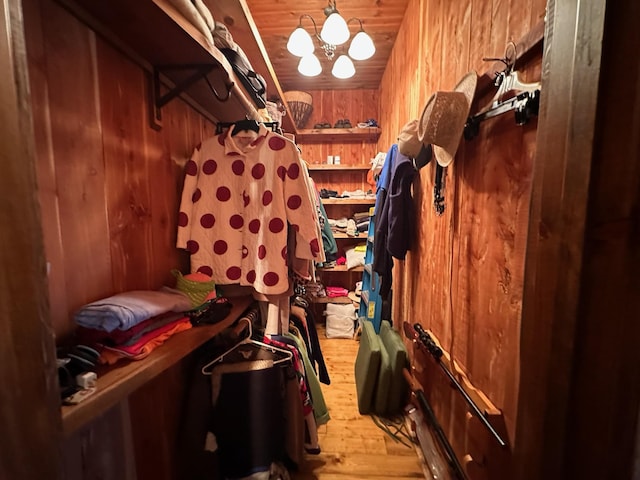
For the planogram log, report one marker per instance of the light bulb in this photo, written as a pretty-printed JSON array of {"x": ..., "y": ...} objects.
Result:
[
  {"x": 335, "y": 30},
  {"x": 361, "y": 47},
  {"x": 300, "y": 43},
  {"x": 343, "y": 68},
  {"x": 309, "y": 66}
]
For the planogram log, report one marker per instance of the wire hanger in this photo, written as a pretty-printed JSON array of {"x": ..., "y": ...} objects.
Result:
[{"x": 207, "y": 370}]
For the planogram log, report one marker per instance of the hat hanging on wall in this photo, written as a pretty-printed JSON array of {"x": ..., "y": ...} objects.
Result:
[
  {"x": 410, "y": 145},
  {"x": 444, "y": 116}
]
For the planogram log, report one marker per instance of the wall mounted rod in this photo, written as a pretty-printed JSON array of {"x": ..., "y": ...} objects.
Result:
[{"x": 436, "y": 353}]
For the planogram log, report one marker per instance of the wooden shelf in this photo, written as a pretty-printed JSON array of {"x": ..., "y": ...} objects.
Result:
[
  {"x": 325, "y": 167},
  {"x": 338, "y": 135},
  {"x": 237, "y": 17},
  {"x": 340, "y": 268},
  {"x": 341, "y": 300},
  {"x": 156, "y": 35},
  {"x": 348, "y": 201},
  {"x": 116, "y": 382},
  {"x": 341, "y": 236}
]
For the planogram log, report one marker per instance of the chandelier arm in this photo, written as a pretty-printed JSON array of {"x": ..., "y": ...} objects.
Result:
[
  {"x": 315, "y": 26},
  {"x": 358, "y": 20}
]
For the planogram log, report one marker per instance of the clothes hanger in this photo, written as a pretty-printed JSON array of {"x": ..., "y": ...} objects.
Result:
[
  {"x": 245, "y": 125},
  {"x": 508, "y": 81},
  {"x": 207, "y": 370}
]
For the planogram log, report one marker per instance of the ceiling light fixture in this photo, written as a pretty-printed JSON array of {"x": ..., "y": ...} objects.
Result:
[{"x": 334, "y": 33}]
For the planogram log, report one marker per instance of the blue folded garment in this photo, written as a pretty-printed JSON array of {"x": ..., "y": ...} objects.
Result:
[{"x": 125, "y": 310}]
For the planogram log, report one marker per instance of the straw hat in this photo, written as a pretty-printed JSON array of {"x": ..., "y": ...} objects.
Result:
[
  {"x": 411, "y": 146},
  {"x": 443, "y": 118}
]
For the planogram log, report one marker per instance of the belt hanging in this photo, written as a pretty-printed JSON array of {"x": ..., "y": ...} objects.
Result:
[{"x": 438, "y": 197}]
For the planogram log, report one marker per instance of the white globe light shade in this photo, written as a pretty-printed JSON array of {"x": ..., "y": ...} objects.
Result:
[
  {"x": 300, "y": 43},
  {"x": 309, "y": 66},
  {"x": 335, "y": 30},
  {"x": 361, "y": 47},
  {"x": 343, "y": 68}
]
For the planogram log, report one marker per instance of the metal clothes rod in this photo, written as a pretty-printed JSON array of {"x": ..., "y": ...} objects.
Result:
[
  {"x": 436, "y": 353},
  {"x": 440, "y": 435}
]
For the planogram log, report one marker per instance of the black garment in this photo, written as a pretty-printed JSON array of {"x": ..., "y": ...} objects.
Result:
[{"x": 315, "y": 352}]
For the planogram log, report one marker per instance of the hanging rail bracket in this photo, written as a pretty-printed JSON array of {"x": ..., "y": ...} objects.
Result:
[{"x": 159, "y": 100}]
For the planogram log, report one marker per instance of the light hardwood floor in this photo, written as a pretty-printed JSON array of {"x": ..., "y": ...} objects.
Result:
[{"x": 353, "y": 447}]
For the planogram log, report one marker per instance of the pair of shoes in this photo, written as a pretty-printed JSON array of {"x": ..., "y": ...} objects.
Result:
[
  {"x": 369, "y": 122},
  {"x": 343, "y": 123},
  {"x": 322, "y": 125}
]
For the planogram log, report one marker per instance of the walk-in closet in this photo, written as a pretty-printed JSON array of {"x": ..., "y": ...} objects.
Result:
[{"x": 322, "y": 240}]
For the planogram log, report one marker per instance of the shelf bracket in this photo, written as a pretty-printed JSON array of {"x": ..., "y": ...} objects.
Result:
[{"x": 159, "y": 100}]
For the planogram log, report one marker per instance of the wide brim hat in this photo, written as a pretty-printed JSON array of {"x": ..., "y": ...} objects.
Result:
[
  {"x": 410, "y": 145},
  {"x": 444, "y": 116}
]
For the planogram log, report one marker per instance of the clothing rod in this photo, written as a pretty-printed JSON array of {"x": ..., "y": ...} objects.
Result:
[{"x": 436, "y": 353}]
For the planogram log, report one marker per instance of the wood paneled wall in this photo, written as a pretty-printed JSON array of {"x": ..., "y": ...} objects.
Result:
[
  {"x": 463, "y": 278},
  {"x": 109, "y": 184},
  {"x": 109, "y": 189}
]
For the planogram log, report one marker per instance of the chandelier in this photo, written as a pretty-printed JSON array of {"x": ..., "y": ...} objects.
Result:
[{"x": 334, "y": 32}]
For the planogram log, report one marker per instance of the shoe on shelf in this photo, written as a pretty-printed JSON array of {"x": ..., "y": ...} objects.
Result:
[
  {"x": 322, "y": 125},
  {"x": 339, "y": 124},
  {"x": 346, "y": 123}
]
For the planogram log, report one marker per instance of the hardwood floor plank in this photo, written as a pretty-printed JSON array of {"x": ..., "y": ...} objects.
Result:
[{"x": 353, "y": 446}]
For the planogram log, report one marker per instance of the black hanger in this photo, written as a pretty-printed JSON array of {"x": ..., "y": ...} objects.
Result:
[{"x": 246, "y": 125}]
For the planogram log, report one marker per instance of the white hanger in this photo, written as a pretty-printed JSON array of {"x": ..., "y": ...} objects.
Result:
[
  {"x": 508, "y": 81},
  {"x": 206, "y": 370}
]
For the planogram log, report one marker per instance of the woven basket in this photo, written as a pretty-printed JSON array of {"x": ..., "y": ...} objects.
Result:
[{"x": 300, "y": 105}]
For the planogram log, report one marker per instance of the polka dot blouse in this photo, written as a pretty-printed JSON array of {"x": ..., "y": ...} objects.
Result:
[{"x": 239, "y": 193}]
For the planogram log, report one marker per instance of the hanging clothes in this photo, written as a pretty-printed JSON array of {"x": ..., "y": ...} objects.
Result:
[{"x": 239, "y": 193}]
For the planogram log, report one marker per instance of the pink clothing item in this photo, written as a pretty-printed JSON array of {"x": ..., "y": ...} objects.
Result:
[
  {"x": 333, "y": 292},
  {"x": 239, "y": 193}
]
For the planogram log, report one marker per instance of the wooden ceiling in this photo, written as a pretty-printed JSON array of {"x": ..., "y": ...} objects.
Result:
[{"x": 276, "y": 19}]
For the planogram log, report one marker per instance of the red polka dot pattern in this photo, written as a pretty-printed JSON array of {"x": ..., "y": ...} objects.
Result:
[
  {"x": 281, "y": 172},
  {"x": 223, "y": 194},
  {"x": 293, "y": 171},
  {"x": 236, "y": 221},
  {"x": 276, "y": 143},
  {"x": 220, "y": 247},
  {"x": 207, "y": 270},
  {"x": 251, "y": 276},
  {"x": 267, "y": 197},
  {"x": 233, "y": 273},
  {"x": 196, "y": 195},
  {"x": 262, "y": 252},
  {"x": 294, "y": 202},
  {"x": 276, "y": 225},
  {"x": 209, "y": 167},
  {"x": 254, "y": 226},
  {"x": 207, "y": 220},
  {"x": 191, "y": 168},
  {"x": 257, "y": 171},
  {"x": 237, "y": 167},
  {"x": 270, "y": 279},
  {"x": 315, "y": 249},
  {"x": 193, "y": 246},
  {"x": 183, "y": 219}
]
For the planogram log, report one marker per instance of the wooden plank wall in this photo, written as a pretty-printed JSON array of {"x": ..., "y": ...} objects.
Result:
[
  {"x": 463, "y": 278},
  {"x": 109, "y": 184},
  {"x": 109, "y": 189}
]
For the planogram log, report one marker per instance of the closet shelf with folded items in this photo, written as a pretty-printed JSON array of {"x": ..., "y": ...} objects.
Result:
[
  {"x": 181, "y": 43},
  {"x": 125, "y": 340}
]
